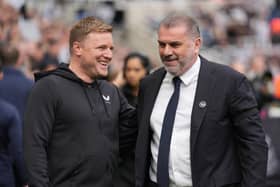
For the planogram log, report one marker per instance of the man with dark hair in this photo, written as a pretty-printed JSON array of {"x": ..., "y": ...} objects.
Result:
[
  {"x": 11, "y": 157},
  {"x": 76, "y": 124},
  {"x": 198, "y": 120}
]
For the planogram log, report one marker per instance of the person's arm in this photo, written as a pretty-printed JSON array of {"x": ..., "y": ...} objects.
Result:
[
  {"x": 15, "y": 146},
  {"x": 38, "y": 122},
  {"x": 249, "y": 134},
  {"x": 127, "y": 125}
]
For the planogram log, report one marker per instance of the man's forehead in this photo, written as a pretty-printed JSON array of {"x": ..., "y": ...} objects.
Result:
[
  {"x": 179, "y": 28},
  {"x": 176, "y": 33}
]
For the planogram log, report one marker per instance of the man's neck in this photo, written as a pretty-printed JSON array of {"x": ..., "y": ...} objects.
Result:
[{"x": 76, "y": 69}]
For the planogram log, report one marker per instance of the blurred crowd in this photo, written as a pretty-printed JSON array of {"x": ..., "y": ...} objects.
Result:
[
  {"x": 242, "y": 34},
  {"x": 42, "y": 43}
]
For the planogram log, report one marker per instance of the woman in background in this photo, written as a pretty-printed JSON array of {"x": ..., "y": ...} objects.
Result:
[{"x": 136, "y": 67}]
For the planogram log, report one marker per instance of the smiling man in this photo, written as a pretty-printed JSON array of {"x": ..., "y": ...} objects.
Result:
[
  {"x": 198, "y": 120},
  {"x": 75, "y": 123}
]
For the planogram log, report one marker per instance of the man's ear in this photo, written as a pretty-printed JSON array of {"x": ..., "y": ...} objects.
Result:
[
  {"x": 197, "y": 44},
  {"x": 77, "y": 48}
]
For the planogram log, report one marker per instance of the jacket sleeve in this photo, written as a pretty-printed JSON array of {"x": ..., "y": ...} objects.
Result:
[
  {"x": 249, "y": 134},
  {"x": 127, "y": 126},
  {"x": 15, "y": 146},
  {"x": 38, "y": 121}
]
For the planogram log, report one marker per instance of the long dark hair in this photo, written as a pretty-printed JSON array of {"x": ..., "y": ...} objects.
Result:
[{"x": 144, "y": 60}]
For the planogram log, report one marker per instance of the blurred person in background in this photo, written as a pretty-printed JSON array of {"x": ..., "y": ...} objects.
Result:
[
  {"x": 50, "y": 57},
  {"x": 239, "y": 66},
  {"x": 11, "y": 157},
  {"x": 115, "y": 74},
  {"x": 76, "y": 124},
  {"x": 15, "y": 86},
  {"x": 198, "y": 121},
  {"x": 274, "y": 23},
  {"x": 1, "y": 32},
  {"x": 136, "y": 67},
  {"x": 261, "y": 79}
]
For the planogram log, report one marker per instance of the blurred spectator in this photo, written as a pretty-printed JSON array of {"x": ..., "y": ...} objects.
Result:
[
  {"x": 36, "y": 54},
  {"x": 15, "y": 87},
  {"x": 260, "y": 27},
  {"x": 50, "y": 58},
  {"x": 136, "y": 66},
  {"x": 28, "y": 24},
  {"x": 277, "y": 86},
  {"x": 274, "y": 21},
  {"x": 262, "y": 80},
  {"x": 238, "y": 66},
  {"x": 115, "y": 74},
  {"x": 1, "y": 31},
  {"x": 207, "y": 30},
  {"x": 257, "y": 66},
  {"x": 11, "y": 158},
  {"x": 274, "y": 64}
]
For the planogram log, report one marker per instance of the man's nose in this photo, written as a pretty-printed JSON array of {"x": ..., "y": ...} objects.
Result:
[
  {"x": 108, "y": 53},
  {"x": 167, "y": 50}
]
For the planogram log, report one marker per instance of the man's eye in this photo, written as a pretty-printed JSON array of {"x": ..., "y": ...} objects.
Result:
[
  {"x": 161, "y": 45},
  {"x": 175, "y": 45},
  {"x": 102, "y": 47}
]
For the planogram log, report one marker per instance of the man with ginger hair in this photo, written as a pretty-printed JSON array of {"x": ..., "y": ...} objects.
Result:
[{"x": 75, "y": 123}]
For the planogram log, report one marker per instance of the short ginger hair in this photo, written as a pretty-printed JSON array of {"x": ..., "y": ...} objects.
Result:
[{"x": 85, "y": 26}]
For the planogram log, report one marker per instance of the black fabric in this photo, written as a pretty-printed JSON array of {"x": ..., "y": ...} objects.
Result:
[
  {"x": 272, "y": 129},
  {"x": 75, "y": 131},
  {"x": 127, "y": 91},
  {"x": 225, "y": 148},
  {"x": 152, "y": 184},
  {"x": 126, "y": 165}
]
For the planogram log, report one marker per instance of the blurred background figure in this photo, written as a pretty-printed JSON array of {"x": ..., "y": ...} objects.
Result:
[
  {"x": 236, "y": 33},
  {"x": 11, "y": 157},
  {"x": 136, "y": 67},
  {"x": 15, "y": 86},
  {"x": 274, "y": 23},
  {"x": 238, "y": 66},
  {"x": 262, "y": 80}
]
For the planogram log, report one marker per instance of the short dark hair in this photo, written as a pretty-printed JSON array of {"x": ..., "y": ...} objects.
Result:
[
  {"x": 9, "y": 55},
  {"x": 85, "y": 26},
  {"x": 144, "y": 60},
  {"x": 175, "y": 19}
]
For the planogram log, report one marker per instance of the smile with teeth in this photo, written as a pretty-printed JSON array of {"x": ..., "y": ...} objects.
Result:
[{"x": 104, "y": 63}]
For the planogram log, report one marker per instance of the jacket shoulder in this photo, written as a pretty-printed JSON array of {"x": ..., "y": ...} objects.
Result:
[
  {"x": 150, "y": 78},
  {"x": 48, "y": 85},
  {"x": 7, "y": 111},
  {"x": 223, "y": 71}
]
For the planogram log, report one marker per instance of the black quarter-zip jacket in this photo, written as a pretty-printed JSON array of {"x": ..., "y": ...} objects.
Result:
[{"x": 73, "y": 131}]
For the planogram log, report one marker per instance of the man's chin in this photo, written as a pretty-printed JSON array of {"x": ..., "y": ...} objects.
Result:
[
  {"x": 172, "y": 70},
  {"x": 102, "y": 75}
]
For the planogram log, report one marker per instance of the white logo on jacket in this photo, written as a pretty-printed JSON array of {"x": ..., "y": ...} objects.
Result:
[{"x": 107, "y": 99}]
